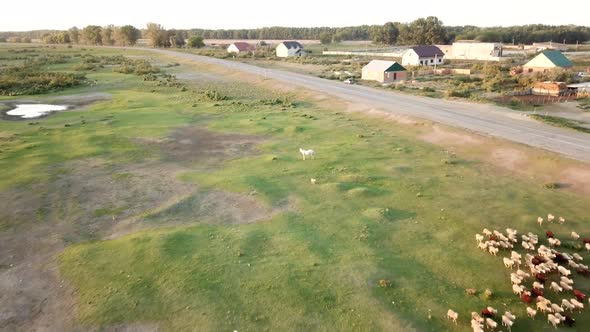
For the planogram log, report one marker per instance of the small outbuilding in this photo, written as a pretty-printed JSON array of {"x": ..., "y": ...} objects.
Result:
[
  {"x": 239, "y": 47},
  {"x": 549, "y": 88},
  {"x": 425, "y": 55},
  {"x": 289, "y": 48},
  {"x": 384, "y": 71},
  {"x": 547, "y": 60}
]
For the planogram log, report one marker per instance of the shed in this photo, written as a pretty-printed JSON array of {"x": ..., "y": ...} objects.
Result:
[
  {"x": 425, "y": 55},
  {"x": 384, "y": 71},
  {"x": 547, "y": 60},
  {"x": 550, "y": 88}
]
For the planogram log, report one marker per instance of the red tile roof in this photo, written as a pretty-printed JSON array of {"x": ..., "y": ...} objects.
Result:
[{"x": 243, "y": 46}]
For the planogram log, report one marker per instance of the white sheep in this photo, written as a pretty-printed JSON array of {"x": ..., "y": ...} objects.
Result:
[
  {"x": 540, "y": 221},
  {"x": 564, "y": 271},
  {"x": 492, "y": 310},
  {"x": 509, "y": 315},
  {"x": 565, "y": 286},
  {"x": 550, "y": 217},
  {"x": 508, "y": 263},
  {"x": 478, "y": 237},
  {"x": 538, "y": 285},
  {"x": 493, "y": 250},
  {"x": 531, "y": 312},
  {"x": 452, "y": 315},
  {"x": 491, "y": 323},
  {"x": 577, "y": 304},
  {"x": 573, "y": 264},
  {"x": 556, "y": 308},
  {"x": 475, "y": 316},
  {"x": 587, "y": 245},
  {"x": 575, "y": 235},
  {"x": 561, "y": 220},
  {"x": 482, "y": 246},
  {"x": 577, "y": 257},
  {"x": 555, "y": 287},
  {"x": 313, "y": 181},
  {"x": 567, "y": 280},
  {"x": 486, "y": 232},
  {"x": 522, "y": 274},
  {"x": 517, "y": 289},
  {"x": 507, "y": 322},
  {"x": 515, "y": 255},
  {"x": 307, "y": 153},
  {"x": 553, "y": 320},
  {"x": 525, "y": 245},
  {"x": 567, "y": 304},
  {"x": 515, "y": 279}
]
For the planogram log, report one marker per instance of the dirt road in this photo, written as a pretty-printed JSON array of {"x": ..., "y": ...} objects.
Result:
[{"x": 482, "y": 118}]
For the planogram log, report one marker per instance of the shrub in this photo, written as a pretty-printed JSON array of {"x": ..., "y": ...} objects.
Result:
[{"x": 458, "y": 93}]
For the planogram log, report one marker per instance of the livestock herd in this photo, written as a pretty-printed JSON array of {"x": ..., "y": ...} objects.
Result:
[{"x": 547, "y": 265}]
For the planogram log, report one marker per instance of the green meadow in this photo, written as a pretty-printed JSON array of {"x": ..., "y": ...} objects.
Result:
[{"x": 384, "y": 239}]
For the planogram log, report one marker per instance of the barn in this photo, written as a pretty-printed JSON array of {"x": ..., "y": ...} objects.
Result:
[{"x": 384, "y": 71}]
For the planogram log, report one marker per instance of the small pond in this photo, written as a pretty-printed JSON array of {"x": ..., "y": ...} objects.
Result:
[{"x": 27, "y": 111}]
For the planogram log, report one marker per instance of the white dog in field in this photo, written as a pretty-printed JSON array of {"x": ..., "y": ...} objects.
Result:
[{"x": 307, "y": 153}]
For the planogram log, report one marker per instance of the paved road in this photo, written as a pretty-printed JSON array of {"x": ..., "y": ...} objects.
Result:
[{"x": 482, "y": 118}]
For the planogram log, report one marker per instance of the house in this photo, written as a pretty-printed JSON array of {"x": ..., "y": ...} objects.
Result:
[
  {"x": 425, "y": 55},
  {"x": 289, "y": 48},
  {"x": 472, "y": 50},
  {"x": 547, "y": 60},
  {"x": 384, "y": 71},
  {"x": 549, "y": 46},
  {"x": 239, "y": 47}
]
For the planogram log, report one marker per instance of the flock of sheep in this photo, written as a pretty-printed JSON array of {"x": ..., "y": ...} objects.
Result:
[{"x": 544, "y": 263}]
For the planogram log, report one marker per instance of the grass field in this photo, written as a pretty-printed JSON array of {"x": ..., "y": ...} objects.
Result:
[{"x": 386, "y": 210}]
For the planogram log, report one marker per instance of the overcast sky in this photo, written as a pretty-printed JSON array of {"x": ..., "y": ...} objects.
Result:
[{"x": 19, "y": 15}]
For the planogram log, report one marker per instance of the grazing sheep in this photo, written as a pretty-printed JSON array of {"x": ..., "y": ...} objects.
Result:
[
  {"x": 515, "y": 255},
  {"x": 517, "y": 289},
  {"x": 493, "y": 250},
  {"x": 543, "y": 306},
  {"x": 573, "y": 264},
  {"x": 565, "y": 286},
  {"x": 540, "y": 221},
  {"x": 525, "y": 238},
  {"x": 491, "y": 323},
  {"x": 564, "y": 271},
  {"x": 475, "y": 316},
  {"x": 477, "y": 327},
  {"x": 509, "y": 315},
  {"x": 575, "y": 236},
  {"x": 561, "y": 220},
  {"x": 567, "y": 304},
  {"x": 555, "y": 287},
  {"x": 508, "y": 263},
  {"x": 553, "y": 320},
  {"x": 567, "y": 280},
  {"x": 482, "y": 246},
  {"x": 538, "y": 285},
  {"x": 577, "y": 257},
  {"x": 531, "y": 312},
  {"x": 452, "y": 315},
  {"x": 587, "y": 246},
  {"x": 492, "y": 310},
  {"x": 486, "y": 232},
  {"x": 577, "y": 304},
  {"x": 550, "y": 217},
  {"x": 507, "y": 322},
  {"x": 525, "y": 245},
  {"x": 515, "y": 279},
  {"x": 478, "y": 237},
  {"x": 313, "y": 181},
  {"x": 522, "y": 274},
  {"x": 307, "y": 153},
  {"x": 556, "y": 308}
]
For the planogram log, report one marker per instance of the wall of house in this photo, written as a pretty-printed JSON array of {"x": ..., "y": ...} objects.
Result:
[
  {"x": 394, "y": 76},
  {"x": 475, "y": 51},
  {"x": 370, "y": 75},
  {"x": 384, "y": 77},
  {"x": 411, "y": 58},
  {"x": 282, "y": 51}
]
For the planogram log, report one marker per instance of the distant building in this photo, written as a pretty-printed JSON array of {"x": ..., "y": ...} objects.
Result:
[
  {"x": 549, "y": 46},
  {"x": 239, "y": 47},
  {"x": 384, "y": 71},
  {"x": 289, "y": 48},
  {"x": 472, "y": 50},
  {"x": 549, "y": 88},
  {"x": 425, "y": 55},
  {"x": 546, "y": 61}
]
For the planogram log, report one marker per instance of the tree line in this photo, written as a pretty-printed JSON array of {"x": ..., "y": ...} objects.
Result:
[{"x": 429, "y": 30}]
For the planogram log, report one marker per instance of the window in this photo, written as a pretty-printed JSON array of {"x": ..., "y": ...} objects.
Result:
[
  {"x": 421, "y": 62},
  {"x": 439, "y": 59},
  {"x": 431, "y": 61}
]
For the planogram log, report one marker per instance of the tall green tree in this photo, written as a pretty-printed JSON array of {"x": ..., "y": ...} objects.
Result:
[
  {"x": 423, "y": 31},
  {"x": 157, "y": 35},
  {"x": 92, "y": 35},
  {"x": 74, "y": 35},
  {"x": 126, "y": 35},
  {"x": 325, "y": 38},
  {"x": 108, "y": 35},
  {"x": 195, "y": 42},
  {"x": 386, "y": 34}
]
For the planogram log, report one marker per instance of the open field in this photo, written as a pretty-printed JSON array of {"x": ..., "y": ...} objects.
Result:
[{"x": 183, "y": 204}]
